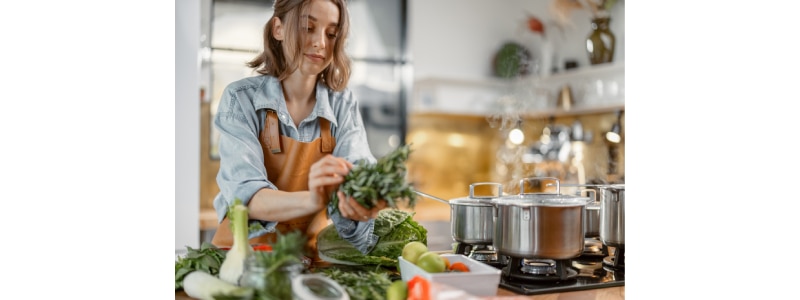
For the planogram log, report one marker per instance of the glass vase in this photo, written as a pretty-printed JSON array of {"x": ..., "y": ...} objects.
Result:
[{"x": 601, "y": 42}]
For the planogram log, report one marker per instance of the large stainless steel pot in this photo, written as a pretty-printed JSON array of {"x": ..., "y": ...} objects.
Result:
[
  {"x": 472, "y": 217},
  {"x": 544, "y": 225}
]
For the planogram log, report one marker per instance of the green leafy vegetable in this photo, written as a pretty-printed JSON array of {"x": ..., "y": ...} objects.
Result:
[
  {"x": 361, "y": 285},
  {"x": 394, "y": 228},
  {"x": 208, "y": 258},
  {"x": 368, "y": 183}
]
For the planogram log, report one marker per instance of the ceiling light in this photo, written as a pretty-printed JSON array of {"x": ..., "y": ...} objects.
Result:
[
  {"x": 614, "y": 135},
  {"x": 516, "y": 136}
]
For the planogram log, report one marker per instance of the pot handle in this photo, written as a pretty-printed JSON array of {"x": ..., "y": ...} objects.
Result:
[
  {"x": 432, "y": 197},
  {"x": 472, "y": 189},
  {"x": 594, "y": 193},
  {"x": 523, "y": 180}
]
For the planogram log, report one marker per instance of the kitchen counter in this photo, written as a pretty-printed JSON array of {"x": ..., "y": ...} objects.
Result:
[{"x": 612, "y": 293}]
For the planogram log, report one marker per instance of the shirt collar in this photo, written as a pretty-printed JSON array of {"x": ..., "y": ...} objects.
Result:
[{"x": 272, "y": 98}]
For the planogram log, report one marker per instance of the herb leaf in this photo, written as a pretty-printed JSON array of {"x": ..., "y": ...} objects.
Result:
[
  {"x": 368, "y": 183},
  {"x": 207, "y": 258}
]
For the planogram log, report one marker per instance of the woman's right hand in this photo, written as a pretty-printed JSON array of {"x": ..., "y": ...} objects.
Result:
[{"x": 326, "y": 175}]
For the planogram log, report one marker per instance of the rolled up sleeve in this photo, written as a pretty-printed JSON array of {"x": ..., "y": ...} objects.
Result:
[{"x": 242, "y": 171}]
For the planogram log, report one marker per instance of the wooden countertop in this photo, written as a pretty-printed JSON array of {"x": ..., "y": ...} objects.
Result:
[{"x": 611, "y": 293}]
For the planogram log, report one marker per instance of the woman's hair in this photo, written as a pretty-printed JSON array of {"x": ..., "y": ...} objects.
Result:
[{"x": 273, "y": 60}]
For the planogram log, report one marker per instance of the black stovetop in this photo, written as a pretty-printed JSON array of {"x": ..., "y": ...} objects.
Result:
[
  {"x": 591, "y": 273},
  {"x": 591, "y": 270},
  {"x": 588, "y": 271}
]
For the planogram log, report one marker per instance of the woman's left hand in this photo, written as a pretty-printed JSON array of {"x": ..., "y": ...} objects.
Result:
[{"x": 351, "y": 209}]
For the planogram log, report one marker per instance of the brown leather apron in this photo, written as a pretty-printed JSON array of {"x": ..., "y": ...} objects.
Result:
[{"x": 288, "y": 163}]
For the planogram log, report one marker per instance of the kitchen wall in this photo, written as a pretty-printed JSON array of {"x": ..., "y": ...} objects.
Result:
[{"x": 475, "y": 30}]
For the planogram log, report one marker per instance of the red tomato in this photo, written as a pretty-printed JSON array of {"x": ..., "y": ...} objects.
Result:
[
  {"x": 256, "y": 247},
  {"x": 419, "y": 288},
  {"x": 535, "y": 25},
  {"x": 262, "y": 247},
  {"x": 459, "y": 267}
]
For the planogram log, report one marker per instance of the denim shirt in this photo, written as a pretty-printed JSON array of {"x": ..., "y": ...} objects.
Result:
[{"x": 240, "y": 118}]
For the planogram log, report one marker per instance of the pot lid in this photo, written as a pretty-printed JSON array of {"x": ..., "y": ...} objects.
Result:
[
  {"x": 616, "y": 186},
  {"x": 479, "y": 200},
  {"x": 475, "y": 201},
  {"x": 548, "y": 200}
]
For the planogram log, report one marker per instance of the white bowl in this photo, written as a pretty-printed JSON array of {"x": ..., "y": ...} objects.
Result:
[{"x": 481, "y": 280}]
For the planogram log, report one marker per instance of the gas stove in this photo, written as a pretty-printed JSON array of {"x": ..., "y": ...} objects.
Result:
[
  {"x": 533, "y": 276},
  {"x": 482, "y": 253}
]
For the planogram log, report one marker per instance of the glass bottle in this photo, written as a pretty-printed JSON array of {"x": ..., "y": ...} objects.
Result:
[
  {"x": 254, "y": 274},
  {"x": 601, "y": 42}
]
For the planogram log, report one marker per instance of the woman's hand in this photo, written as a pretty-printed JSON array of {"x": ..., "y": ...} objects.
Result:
[
  {"x": 325, "y": 175},
  {"x": 351, "y": 209}
]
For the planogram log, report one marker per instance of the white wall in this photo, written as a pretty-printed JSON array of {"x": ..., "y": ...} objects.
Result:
[
  {"x": 457, "y": 39},
  {"x": 187, "y": 124}
]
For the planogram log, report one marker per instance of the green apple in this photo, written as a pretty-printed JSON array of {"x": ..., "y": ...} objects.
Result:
[
  {"x": 413, "y": 250},
  {"x": 398, "y": 290},
  {"x": 431, "y": 262}
]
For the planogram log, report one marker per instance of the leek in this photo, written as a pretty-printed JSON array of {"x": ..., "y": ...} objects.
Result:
[{"x": 233, "y": 266}]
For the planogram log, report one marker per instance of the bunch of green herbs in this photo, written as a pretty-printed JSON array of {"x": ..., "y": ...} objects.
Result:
[
  {"x": 367, "y": 183},
  {"x": 208, "y": 258},
  {"x": 361, "y": 285}
]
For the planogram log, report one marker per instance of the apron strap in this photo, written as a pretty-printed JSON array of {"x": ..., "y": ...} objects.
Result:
[
  {"x": 325, "y": 134},
  {"x": 271, "y": 134}
]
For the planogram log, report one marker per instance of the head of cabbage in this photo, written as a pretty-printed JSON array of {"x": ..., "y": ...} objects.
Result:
[{"x": 395, "y": 228}]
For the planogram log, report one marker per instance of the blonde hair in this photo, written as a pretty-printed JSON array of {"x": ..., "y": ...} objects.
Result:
[{"x": 273, "y": 59}]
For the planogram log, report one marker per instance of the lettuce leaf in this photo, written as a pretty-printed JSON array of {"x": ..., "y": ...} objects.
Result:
[{"x": 395, "y": 228}]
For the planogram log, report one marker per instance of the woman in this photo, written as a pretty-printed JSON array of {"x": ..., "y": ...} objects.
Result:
[{"x": 289, "y": 136}]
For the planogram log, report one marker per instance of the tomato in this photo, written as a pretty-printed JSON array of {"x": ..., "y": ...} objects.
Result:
[
  {"x": 262, "y": 247},
  {"x": 459, "y": 267},
  {"x": 419, "y": 288},
  {"x": 535, "y": 25}
]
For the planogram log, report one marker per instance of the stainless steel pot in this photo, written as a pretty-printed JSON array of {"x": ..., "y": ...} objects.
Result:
[
  {"x": 612, "y": 214},
  {"x": 591, "y": 222},
  {"x": 543, "y": 225},
  {"x": 472, "y": 217}
]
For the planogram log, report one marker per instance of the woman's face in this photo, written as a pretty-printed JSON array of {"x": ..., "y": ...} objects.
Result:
[{"x": 318, "y": 34}]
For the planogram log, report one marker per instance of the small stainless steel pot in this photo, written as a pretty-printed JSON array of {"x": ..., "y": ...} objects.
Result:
[
  {"x": 612, "y": 214},
  {"x": 591, "y": 223},
  {"x": 472, "y": 217},
  {"x": 543, "y": 225}
]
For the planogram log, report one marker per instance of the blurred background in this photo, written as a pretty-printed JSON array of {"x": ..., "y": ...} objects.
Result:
[{"x": 484, "y": 91}]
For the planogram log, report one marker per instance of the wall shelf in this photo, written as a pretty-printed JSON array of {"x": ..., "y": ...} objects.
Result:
[{"x": 596, "y": 89}]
